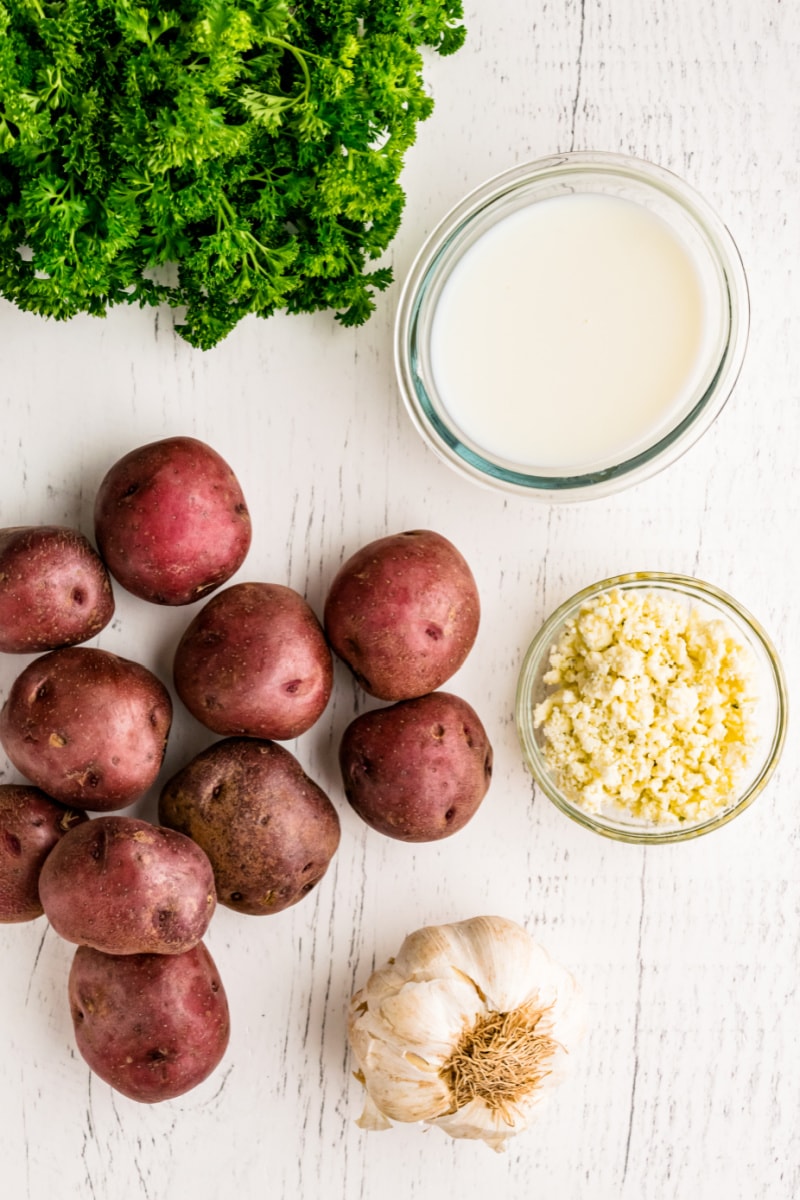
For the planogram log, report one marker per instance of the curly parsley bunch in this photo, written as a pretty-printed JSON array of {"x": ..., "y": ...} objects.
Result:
[{"x": 254, "y": 144}]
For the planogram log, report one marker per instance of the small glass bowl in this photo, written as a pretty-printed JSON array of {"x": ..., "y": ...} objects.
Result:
[
  {"x": 693, "y": 224},
  {"x": 770, "y": 713}
]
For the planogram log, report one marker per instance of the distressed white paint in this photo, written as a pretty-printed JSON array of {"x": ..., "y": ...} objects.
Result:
[{"x": 689, "y": 1084}]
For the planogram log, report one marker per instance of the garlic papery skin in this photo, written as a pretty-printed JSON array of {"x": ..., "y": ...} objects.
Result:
[{"x": 467, "y": 1028}]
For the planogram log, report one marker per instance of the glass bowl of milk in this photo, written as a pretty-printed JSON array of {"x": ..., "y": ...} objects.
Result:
[
  {"x": 651, "y": 707},
  {"x": 572, "y": 326}
]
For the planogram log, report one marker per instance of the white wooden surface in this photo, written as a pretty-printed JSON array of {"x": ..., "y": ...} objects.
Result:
[{"x": 688, "y": 1085}]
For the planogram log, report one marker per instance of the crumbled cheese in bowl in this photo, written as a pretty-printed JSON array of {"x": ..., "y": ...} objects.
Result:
[{"x": 652, "y": 712}]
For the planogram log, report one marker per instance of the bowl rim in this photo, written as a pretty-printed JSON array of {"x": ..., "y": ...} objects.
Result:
[
  {"x": 688, "y": 585},
  {"x": 677, "y": 439}
]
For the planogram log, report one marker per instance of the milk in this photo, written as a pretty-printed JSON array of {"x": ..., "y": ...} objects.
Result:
[{"x": 571, "y": 335}]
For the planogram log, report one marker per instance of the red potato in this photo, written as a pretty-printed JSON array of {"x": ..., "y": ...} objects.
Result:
[
  {"x": 153, "y": 1026},
  {"x": 268, "y": 829},
  {"x": 417, "y": 770},
  {"x": 125, "y": 886},
  {"x": 31, "y": 825},
  {"x": 87, "y": 727},
  {"x": 403, "y": 613},
  {"x": 54, "y": 589},
  {"x": 171, "y": 521},
  {"x": 255, "y": 661}
]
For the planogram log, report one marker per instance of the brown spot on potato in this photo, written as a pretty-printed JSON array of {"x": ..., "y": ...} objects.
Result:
[
  {"x": 438, "y": 732},
  {"x": 434, "y": 632},
  {"x": 57, "y": 740},
  {"x": 293, "y": 686},
  {"x": 449, "y": 815},
  {"x": 78, "y": 596}
]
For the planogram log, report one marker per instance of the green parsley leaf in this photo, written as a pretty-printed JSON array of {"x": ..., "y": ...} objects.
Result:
[{"x": 252, "y": 147}]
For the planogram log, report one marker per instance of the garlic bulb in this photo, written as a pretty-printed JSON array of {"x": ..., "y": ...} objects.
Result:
[{"x": 466, "y": 1029}]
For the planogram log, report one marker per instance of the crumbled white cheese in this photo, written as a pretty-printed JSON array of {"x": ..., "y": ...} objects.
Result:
[{"x": 653, "y": 708}]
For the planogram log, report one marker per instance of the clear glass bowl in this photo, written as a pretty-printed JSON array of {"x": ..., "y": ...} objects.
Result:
[
  {"x": 770, "y": 712},
  {"x": 694, "y": 226}
]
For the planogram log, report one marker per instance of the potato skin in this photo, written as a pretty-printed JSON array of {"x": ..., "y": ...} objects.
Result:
[
  {"x": 54, "y": 589},
  {"x": 419, "y": 769},
  {"x": 87, "y": 727},
  {"x": 153, "y": 1026},
  {"x": 268, "y": 829},
  {"x": 254, "y": 661},
  {"x": 31, "y": 824},
  {"x": 403, "y": 613},
  {"x": 125, "y": 886},
  {"x": 171, "y": 522}
]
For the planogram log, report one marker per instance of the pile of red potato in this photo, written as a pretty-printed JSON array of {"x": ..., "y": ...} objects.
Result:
[{"x": 241, "y": 823}]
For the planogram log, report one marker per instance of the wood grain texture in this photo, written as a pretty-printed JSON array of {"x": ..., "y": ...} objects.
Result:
[{"x": 688, "y": 1084}]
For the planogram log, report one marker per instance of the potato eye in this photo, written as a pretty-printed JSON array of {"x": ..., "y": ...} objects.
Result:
[{"x": 13, "y": 844}]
